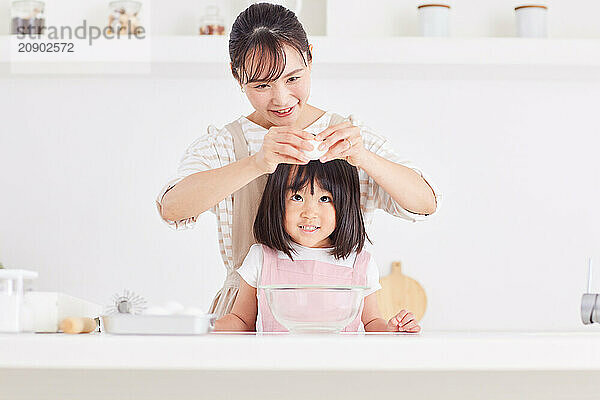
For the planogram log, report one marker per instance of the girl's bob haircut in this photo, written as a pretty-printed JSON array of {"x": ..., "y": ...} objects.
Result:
[
  {"x": 338, "y": 178},
  {"x": 259, "y": 33}
]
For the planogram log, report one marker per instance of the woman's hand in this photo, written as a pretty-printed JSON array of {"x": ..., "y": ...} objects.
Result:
[
  {"x": 283, "y": 144},
  {"x": 344, "y": 142},
  {"x": 404, "y": 321}
]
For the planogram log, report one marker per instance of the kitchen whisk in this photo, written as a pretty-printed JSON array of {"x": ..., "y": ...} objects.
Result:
[{"x": 126, "y": 303}]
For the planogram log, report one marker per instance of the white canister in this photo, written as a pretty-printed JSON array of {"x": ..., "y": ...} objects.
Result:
[
  {"x": 532, "y": 21},
  {"x": 434, "y": 19}
]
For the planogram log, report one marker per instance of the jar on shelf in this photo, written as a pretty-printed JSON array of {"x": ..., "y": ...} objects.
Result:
[
  {"x": 434, "y": 19},
  {"x": 211, "y": 23},
  {"x": 123, "y": 17},
  {"x": 531, "y": 21},
  {"x": 27, "y": 17}
]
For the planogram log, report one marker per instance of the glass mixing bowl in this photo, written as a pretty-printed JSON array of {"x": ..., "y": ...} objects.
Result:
[{"x": 314, "y": 308}]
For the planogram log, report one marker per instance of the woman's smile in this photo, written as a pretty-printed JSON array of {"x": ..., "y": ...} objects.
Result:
[{"x": 284, "y": 112}]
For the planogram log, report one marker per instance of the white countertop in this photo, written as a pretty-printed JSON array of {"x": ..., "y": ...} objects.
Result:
[{"x": 427, "y": 351}]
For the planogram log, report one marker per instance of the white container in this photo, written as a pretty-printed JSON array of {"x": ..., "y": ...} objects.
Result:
[
  {"x": 532, "y": 21},
  {"x": 15, "y": 316},
  {"x": 130, "y": 324},
  {"x": 434, "y": 19}
]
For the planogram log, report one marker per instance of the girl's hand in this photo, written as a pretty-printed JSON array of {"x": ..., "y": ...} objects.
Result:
[
  {"x": 344, "y": 142},
  {"x": 404, "y": 321},
  {"x": 283, "y": 144}
]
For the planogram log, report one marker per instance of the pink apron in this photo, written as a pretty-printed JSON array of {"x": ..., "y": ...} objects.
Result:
[
  {"x": 284, "y": 271},
  {"x": 245, "y": 205}
]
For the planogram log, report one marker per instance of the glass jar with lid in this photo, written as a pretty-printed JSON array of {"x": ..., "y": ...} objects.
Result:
[
  {"x": 27, "y": 17},
  {"x": 211, "y": 23},
  {"x": 123, "y": 17}
]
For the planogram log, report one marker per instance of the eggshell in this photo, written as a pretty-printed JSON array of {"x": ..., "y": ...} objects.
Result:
[{"x": 315, "y": 154}]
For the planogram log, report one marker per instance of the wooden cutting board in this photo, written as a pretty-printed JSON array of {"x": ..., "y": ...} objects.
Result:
[{"x": 398, "y": 292}]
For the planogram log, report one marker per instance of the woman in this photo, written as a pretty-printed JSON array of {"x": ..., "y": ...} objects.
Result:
[{"x": 225, "y": 171}]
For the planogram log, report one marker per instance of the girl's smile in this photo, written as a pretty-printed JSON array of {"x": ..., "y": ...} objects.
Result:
[{"x": 309, "y": 228}]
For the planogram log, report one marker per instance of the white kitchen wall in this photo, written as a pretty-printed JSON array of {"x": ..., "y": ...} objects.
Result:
[{"x": 83, "y": 159}]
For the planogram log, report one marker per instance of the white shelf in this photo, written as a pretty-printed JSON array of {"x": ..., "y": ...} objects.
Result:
[
  {"x": 398, "y": 57},
  {"x": 402, "y": 50}
]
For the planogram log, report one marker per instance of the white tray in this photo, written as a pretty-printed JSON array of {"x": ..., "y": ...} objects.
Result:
[{"x": 128, "y": 324}]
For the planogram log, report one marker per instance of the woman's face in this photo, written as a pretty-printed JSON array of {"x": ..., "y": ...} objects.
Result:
[
  {"x": 310, "y": 218},
  {"x": 288, "y": 93}
]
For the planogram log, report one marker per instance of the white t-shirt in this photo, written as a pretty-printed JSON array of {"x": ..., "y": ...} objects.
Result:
[{"x": 252, "y": 266}]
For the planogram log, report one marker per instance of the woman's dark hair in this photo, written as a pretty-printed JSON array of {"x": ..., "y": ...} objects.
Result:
[
  {"x": 259, "y": 32},
  {"x": 338, "y": 178}
]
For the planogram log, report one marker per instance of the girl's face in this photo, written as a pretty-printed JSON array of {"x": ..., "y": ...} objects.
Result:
[
  {"x": 290, "y": 91},
  {"x": 310, "y": 218}
]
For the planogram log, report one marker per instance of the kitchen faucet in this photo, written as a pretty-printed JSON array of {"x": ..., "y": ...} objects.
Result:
[{"x": 590, "y": 302}]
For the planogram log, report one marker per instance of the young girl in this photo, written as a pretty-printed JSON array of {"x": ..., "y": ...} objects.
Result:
[
  {"x": 225, "y": 170},
  {"x": 310, "y": 230}
]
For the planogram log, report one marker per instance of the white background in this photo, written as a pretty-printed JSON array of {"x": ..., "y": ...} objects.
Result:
[{"x": 82, "y": 159}]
